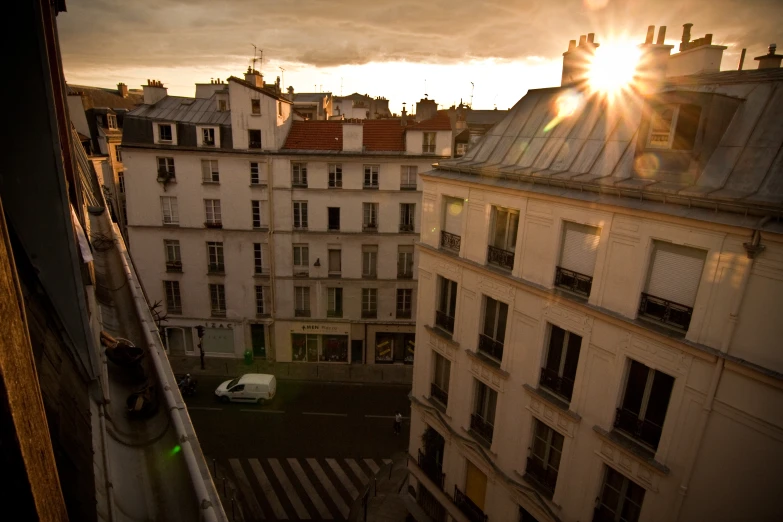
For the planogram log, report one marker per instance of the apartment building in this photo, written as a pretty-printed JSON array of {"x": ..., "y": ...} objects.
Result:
[{"x": 597, "y": 315}]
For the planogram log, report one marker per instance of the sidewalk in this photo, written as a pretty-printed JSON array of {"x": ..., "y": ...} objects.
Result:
[
  {"x": 382, "y": 500},
  {"x": 353, "y": 373}
]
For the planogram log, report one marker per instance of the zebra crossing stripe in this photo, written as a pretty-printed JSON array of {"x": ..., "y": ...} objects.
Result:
[
  {"x": 343, "y": 478},
  {"x": 327, "y": 484},
  {"x": 372, "y": 465},
  {"x": 357, "y": 471},
  {"x": 301, "y": 511},
  {"x": 315, "y": 498},
  {"x": 247, "y": 491},
  {"x": 269, "y": 492}
]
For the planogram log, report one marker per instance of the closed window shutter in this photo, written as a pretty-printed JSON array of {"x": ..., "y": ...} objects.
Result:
[
  {"x": 453, "y": 220},
  {"x": 580, "y": 246},
  {"x": 675, "y": 273}
]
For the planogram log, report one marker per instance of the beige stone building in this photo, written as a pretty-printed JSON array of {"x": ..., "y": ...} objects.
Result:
[{"x": 598, "y": 320}]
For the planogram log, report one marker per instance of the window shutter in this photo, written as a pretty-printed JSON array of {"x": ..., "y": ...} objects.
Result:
[
  {"x": 675, "y": 273},
  {"x": 453, "y": 219},
  {"x": 580, "y": 245}
]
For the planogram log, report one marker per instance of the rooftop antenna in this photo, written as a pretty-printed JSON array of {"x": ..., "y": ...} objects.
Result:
[
  {"x": 472, "y": 86},
  {"x": 425, "y": 87},
  {"x": 282, "y": 78},
  {"x": 259, "y": 58}
]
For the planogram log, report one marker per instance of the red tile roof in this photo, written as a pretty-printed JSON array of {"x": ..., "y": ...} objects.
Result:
[
  {"x": 441, "y": 121},
  {"x": 378, "y": 135}
]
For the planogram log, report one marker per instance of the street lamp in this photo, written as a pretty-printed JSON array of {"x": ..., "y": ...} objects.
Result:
[{"x": 200, "y": 331}]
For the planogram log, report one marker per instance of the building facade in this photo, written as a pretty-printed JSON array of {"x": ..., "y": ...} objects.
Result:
[{"x": 596, "y": 325}]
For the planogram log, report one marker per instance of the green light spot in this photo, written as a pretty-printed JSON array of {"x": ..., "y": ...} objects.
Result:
[{"x": 176, "y": 449}]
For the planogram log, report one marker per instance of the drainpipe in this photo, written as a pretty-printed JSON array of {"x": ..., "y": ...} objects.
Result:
[{"x": 271, "y": 243}]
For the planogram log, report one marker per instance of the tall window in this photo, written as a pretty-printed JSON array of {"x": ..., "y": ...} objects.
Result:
[
  {"x": 209, "y": 171},
  {"x": 405, "y": 261},
  {"x": 439, "y": 389},
  {"x": 408, "y": 177},
  {"x": 173, "y": 257},
  {"x": 301, "y": 260},
  {"x": 217, "y": 298},
  {"x": 253, "y": 139},
  {"x": 407, "y": 217},
  {"x": 299, "y": 174},
  {"x": 164, "y": 132},
  {"x": 255, "y": 178},
  {"x": 169, "y": 210},
  {"x": 111, "y": 121},
  {"x": 118, "y": 154},
  {"x": 166, "y": 169},
  {"x": 212, "y": 212},
  {"x": 503, "y": 237},
  {"x": 334, "y": 302},
  {"x": 222, "y": 105},
  {"x": 404, "y": 303},
  {"x": 302, "y": 301},
  {"x": 370, "y": 217},
  {"x": 370, "y": 261},
  {"x": 215, "y": 262},
  {"x": 428, "y": 143},
  {"x": 335, "y": 262},
  {"x": 335, "y": 175},
  {"x": 255, "y": 106},
  {"x": 494, "y": 332},
  {"x": 371, "y": 176},
  {"x": 333, "y": 214},
  {"x": 300, "y": 214},
  {"x": 621, "y": 499},
  {"x": 255, "y": 207},
  {"x": 173, "y": 298},
  {"x": 121, "y": 181},
  {"x": 577, "y": 258},
  {"x": 369, "y": 302},
  {"x": 646, "y": 399},
  {"x": 447, "y": 304},
  {"x": 562, "y": 356},
  {"x": 543, "y": 461},
  {"x": 258, "y": 259},
  {"x": 482, "y": 421},
  {"x": 451, "y": 233},
  {"x": 208, "y": 136},
  {"x": 261, "y": 308}
]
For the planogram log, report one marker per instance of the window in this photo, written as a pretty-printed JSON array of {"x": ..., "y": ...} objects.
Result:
[
  {"x": 217, "y": 299},
  {"x": 173, "y": 298},
  {"x": 258, "y": 259},
  {"x": 447, "y": 304},
  {"x": 407, "y": 214},
  {"x": 170, "y": 210},
  {"x": 405, "y": 262},
  {"x": 371, "y": 176},
  {"x": 209, "y": 171},
  {"x": 503, "y": 237},
  {"x": 299, "y": 175},
  {"x": 370, "y": 217},
  {"x": 118, "y": 153},
  {"x": 255, "y": 106},
  {"x": 334, "y": 302},
  {"x": 164, "y": 132},
  {"x": 215, "y": 264},
  {"x": 279, "y": 108},
  {"x": 408, "y": 177},
  {"x": 674, "y": 127},
  {"x": 369, "y": 302},
  {"x": 646, "y": 399},
  {"x": 173, "y": 257},
  {"x": 121, "y": 181},
  {"x": 301, "y": 260},
  {"x": 482, "y": 421},
  {"x": 334, "y": 218},
  {"x": 124, "y": 211},
  {"x": 335, "y": 175},
  {"x": 208, "y": 137},
  {"x": 428, "y": 143},
  {"x": 253, "y": 139},
  {"x": 543, "y": 461},
  {"x": 304, "y": 348},
  {"x": 111, "y": 120},
  {"x": 255, "y": 211},
  {"x": 166, "y": 169},
  {"x": 462, "y": 149},
  {"x": 404, "y": 303},
  {"x": 493, "y": 334},
  {"x": 300, "y": 215},
  {"x": 621, "y": 499},
  {"x": 335, "y": 262},
  {"x": 577, "y": 258},
  {"x": 672, "y": 284},
  {"x": 222, "y": 106},
  {"x": 212, "y": 212},
  {"x": 302, "y": 301},
  {"x": 559, "y": 371},
  {"x": 439, "y": 390},
  {"x": 370, "y": 261},
  {"x": 451, "y": 234},
  {"x": 255, "y": 178},
  {"x": 260, "y": 302}
]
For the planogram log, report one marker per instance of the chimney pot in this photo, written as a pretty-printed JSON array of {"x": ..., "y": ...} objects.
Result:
[
  {"x": 661, "y": 35},
  {"x": 772, "y": 48},
  {"x": 571, "y": 45},
  {"x": 742, "y": 59},
  {"x": 686, "y": 33},
  {"x": 582, "y": 40},
  {"x": 590, "y": 37},
  {"x": 650, "y": 34}
]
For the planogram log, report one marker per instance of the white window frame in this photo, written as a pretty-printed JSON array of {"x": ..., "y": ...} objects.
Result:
[
  {"x": 370, "y": 300},
  {"x": 301, "y": 259},
  {"x": 299, "y": 215},
  {"x": 407, "y": 299},
  {"x": 441, "y": 373},
  {"x": 299, "y": 174},
  {"x": 409, "y": 176},
  {"x": 331, "y": 301},
  {"x": 260, "y": 137},
  {"x": 370, "y": 261},
  {"x": 371, "y": 176},
  {"x": 261, "y": 300},
  {"x": 335, "y": 175},
  {"x": 255, "y": 173},
  {"x": 172, "y": 249},
  {"x": 461, "y": 150},
  {"x": 170, "y": 138},
  {"x": 302, "y": 298},
  {"x": 212, "y": 212},
  {"x": 215, "y": 258},
  {"x": 111, "y": 121},
  {"x": 654, "y": 117},
  {"x": 255, "y": 106},
  {"x": 173, "y": 297},
  {"x": 258, "y": 258},
  {"x": 169, "y": 209},
  {"x": 255, "y": 212},
  {"x": 207, "y": 136},
  {"x": 166, "y": 167},
  {"x": 217, "y": 299},
  {"x": 118, "y": 153},
  {"x": 509, "y": 242},
  {"x": 428, "y": 142},
  {"x": 121, "y": 181},
  {"x": 210, "y": 171},
  {"x": 339, "y": 269},
  {"x": 370, "y": 216},
  {"x": 407, "y": 217}
]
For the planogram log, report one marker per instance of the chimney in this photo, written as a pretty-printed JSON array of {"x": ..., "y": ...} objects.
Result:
[
  {"x": 577, "y": 59},
  {"x": 353, "y": 137},
  {"x": 404, "y": 116},
  {"x": 770, "y": 60},
  {"x": 697, "y": 56},
  {"x": 154, "y": 91},
  {"x": 123, "y": 89},
  {"x": 254, "y": 78},
  {"x": 653, "y": 60}
]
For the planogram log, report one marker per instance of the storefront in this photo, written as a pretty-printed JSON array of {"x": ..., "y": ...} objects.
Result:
[
  {"x": 319, "y": 343},
  {"x": 218, "y": 341},
  {"x": 394, "y": 347}
]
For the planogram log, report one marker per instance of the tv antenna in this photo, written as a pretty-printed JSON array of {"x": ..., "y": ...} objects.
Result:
[
  {"x": 259, "y": 58},
  {"x": 282, "y": 78},
  {"x": 425, "y": 87},
  {"x": 472, "y": 86}
]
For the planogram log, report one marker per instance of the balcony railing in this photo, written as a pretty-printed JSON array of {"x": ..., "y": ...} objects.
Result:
[
  {"x": 405, "y": 273},
  {"x": 482, "y": 427},
  {"x": 213, "y": 224},
  {"x": 406, "y": 227},
  {"x": 667, "y": 312},
  {"x": 301, "y": 313},
  {"x": 218, "y": 313},
  {"x": 334, "y": 226},
  {"x": 336, "y": 183},
  {"x": 546, "y": 478},
  {"x": 216, "y": 268},
  {"x": 299, "y": 183},
  {"x": 499, "y": 257},
  {"x": 643, "y": 430},
  {"x": 253, "y": 144},
  {"x": 174, "y": 266},
  {"x": 432, "y": 469},
  {"x": 468, "y": 507},
  {"x": 445, "y": 321},
  {"x": 563, "y": 386},
  {"x": 491, "y": 347},
  {"x": 334, "y": 313},
  {"x": 573, "y": 281},
  {"x": 369, "y": 314},
  {"x": 439, "y": 394},
  {"x": 408, "y": 186},
  {"x": 403, "y": 313},
  {"x": 370, "y": 227},
  {"x": 450, "y": 241}
]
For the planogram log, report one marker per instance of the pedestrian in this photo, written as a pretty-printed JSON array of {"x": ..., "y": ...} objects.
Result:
[{"x": 397, "y": 422}]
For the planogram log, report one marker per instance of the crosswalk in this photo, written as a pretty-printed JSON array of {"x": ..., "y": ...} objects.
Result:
[{"x": 299, "y": 488}]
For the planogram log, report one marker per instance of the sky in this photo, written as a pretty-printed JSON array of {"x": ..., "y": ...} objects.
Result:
[{"x": 489, "y": 51}]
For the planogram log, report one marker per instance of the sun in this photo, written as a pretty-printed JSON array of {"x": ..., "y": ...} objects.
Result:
[{"x": 612, "y": 68}]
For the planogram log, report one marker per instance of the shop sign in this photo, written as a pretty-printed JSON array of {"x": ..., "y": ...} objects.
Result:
[{"x": 319, "y": 328}]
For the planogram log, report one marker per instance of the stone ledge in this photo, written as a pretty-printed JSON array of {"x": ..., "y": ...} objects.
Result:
[
  {"x": 489, "y": 363},
  {"x": 638, "y": 452},
  {"x": 553, "y": 401},
  {"x": 440, "y": 333}
]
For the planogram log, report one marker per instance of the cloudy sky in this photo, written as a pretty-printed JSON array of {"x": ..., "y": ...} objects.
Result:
[{"x": 398, "y": 49}]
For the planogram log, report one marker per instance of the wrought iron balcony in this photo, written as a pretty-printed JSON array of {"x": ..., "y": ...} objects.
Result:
[
  {"x": 438, "y": 394},
  {"x": 253, "y": 144},
  {"x": 499, "y": 257},
  {"x": 642, "y": 430},
  {"x": 450, "y": 242},
  {"x": 408, "y": 186},
  {"x": 432, "y": 469},
  {"x": 491, "y": 347},
  {"x": 369, "y": 314},
  {"x": 336, "y": 183},
  {"x": 482, "y": 427},
  {"x": 562, "y": 386},
  {"x": 173, "y": 266},
  {"x": 301, "y": 313},
  {"x": 667, "y": 312},
  {"x": 405, "y": 272},
  {"x": 299, "y": 183},
  {"x": 468, "y": 507},
  {"x": 403, "y": 313},
  {"x": 370, "y": 227},
  {"x": 546, "y": 478},
  {"x": 213, "y": 224},
  {"x": 573, "y": 281},
  {"x": 334, "y": 313},
  {"x": 216, "y": 268},
  {"x": 406, "y": 227},
  {"x": 445, "y": 321}
]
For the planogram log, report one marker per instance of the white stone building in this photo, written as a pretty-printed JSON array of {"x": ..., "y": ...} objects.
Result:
[{"x": 598, "y": 317}]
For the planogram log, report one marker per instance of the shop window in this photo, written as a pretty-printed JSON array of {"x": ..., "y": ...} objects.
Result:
[
  {"x": 394, "y": 347},
  {"x": 334, "y": 348},
  {"x": 304, "y": 348}
]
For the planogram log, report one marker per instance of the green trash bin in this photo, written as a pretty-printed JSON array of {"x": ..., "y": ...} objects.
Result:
[{"x": 248, "y": 357}]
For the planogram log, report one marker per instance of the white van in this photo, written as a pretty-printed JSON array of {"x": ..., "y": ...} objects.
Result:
[{"x": 251, "y": 387}]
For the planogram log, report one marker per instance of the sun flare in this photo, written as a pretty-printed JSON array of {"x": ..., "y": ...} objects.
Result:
[{"x": 613, "y": 68}]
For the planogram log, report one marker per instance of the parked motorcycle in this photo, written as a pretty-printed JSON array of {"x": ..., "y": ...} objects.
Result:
[{"x": 187, "y": 387}]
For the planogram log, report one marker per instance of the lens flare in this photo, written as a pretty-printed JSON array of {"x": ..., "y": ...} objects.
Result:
[
  {"x": 565, "y": 105},
  {"x": 613, "y": 68}
]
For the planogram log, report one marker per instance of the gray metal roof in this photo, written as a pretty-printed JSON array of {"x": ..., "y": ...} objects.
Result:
[
  {"x": 484, "y": 116},
  {"x": 185, "y": 110},
  {"x": 310, "y": 96}
]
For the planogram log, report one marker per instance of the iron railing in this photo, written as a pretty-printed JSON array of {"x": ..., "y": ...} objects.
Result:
[
  {"x": 491, "y": 347},
  {"x": 370, "y": 227},
  {"x": 482, "y": 427},
  {"x": 301, "y": 313},
  {"x": 403, "y": 313},
  {"x": 334, "y": 313},
  {"x": 643, "y": 430},
  {"x": 546, "y": 478},
  {"x": 406, "y": 227},
  {"x": 667, "y": 312},
  {"x": 468, "y": 507},
  {"x": 573, "y": 281},
  {"x": 432, "y": 469},
  {"x": 563, "y": 386},
  {"x": 405, "y": 272},
  {"x": 445, "y": 321},
  {"x": 408, "y": 186},
  {"x": 369, "y": 314},
  {"x": 254, "y": 144},
  {"x": 216, "y": 268},
  {"x": 213, "y": 224},
  {"x": 499, "y": 257},
  {"x": 450, "y": 241},
  {"x": 440, "y": 395},
  {"x": 174, "y": 266},
  {"x": 218, "y": 313}
]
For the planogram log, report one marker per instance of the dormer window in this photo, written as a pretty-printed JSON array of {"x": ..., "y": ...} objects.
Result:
[
  {"x": 255, "y": 106},
  {"x": 674, "y": 127},
  {"x": 222, "y": 107},
  {"x": 164, "y": 132},
  {"x": 428, "y": 143},
  {"x": 111, "y": 120},
  {"x": 208, "y": 137}
]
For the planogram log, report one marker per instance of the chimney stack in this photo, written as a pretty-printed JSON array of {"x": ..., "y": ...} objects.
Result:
[
  {"x": 576, "y": 59},
  {"x": 686, "y": 36},
  {"x": 698, "y": 56},
  {"x": 770, "y": 60},
  {"x": 650, "y": 34},
  {"x": 653, "y": 60},
  {"x": 255, "y": 78},
  {"x": 123, "y": 89},
  {"x": 154, "y": 91},
  {"x": 661, "y": 35}
]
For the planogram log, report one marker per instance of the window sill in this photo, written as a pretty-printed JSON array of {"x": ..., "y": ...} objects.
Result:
[
  {"x": 218, "y": 314},
  {"x": 442, "y": 334},
  {"x": 653, "y": 323},
  {"x": 335, "y": 188},
  {"x": 641, "y": 453},
  {"x": 262, "y": 228},
  {"x": 300, "y": 229},
  {"x": 261, "y": 275},
  {"x": 298, "y": 185},
  {"x": 568, "y": 294},
  {"x": 210, "y": 182},
  {"x": 481, "y": 440},
  {"x": 258, "y": 185},
  {"x": 332, "y": 229},
  {"x": 170, "y": 224},
  {"x": 370, "y": 188},
  {"x": 553, "y": 401},
  {"x": 490, "y": 363},
  {"x": 438, "y": 406}
]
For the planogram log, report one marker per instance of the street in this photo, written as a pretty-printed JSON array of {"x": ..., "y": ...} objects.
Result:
[{"x": 305, "y": 455}]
